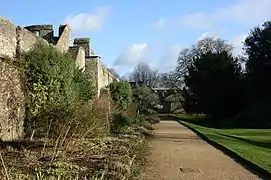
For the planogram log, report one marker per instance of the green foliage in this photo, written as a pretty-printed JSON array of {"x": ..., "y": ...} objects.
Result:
[
  {"x": 258, "y": 64},
  {"x": 53, "y": 85},
  {"x": 214, "y": 80},
  {"x": 216, "y": 85},
  {"x": 146, "y": 100},
  {"x": 121, "y": 94},
  {"x": 82, "y": 86},
  {"x": 251, "y": 144},
  {"x": 257, "y": 47},
  {"x": 256, "y": 114},
  {"x": 58, "y": 170},
  {"x": 122, "y": 124},
  {"x": 211, "y": 78}
]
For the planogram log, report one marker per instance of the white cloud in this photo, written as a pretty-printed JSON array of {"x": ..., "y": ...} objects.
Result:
[
  {"x": 197, "y": 20},
  {"x": 248, "y": 12},
  {"x": 237, "y": 42},
  {"x": 161, "y": 23},
  {"x": 132, "y": 55},
  {"x": 86, "y": 22},
  {"x": 215, "y": 34},
  {"x": 168, "y": 61},
  {"x": 136, "y": 53}
]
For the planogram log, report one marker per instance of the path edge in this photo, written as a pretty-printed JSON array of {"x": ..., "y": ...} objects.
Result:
[{"x": 254, "y": 168}]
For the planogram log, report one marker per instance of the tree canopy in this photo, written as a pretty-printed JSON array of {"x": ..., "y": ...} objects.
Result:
[
  {"x": 142, "y": 73},
  {"x": 210, "y": 78}
]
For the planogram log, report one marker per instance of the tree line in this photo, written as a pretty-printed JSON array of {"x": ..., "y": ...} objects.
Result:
[{"x": 211, "y": 80}]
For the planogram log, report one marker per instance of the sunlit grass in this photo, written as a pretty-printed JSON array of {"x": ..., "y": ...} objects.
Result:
[{"x": 251, "y": 144}]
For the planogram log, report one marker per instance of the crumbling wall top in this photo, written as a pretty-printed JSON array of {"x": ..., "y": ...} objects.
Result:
[
  {"x": 81, "y": 40},
  {"x": 39, "y": 27}
]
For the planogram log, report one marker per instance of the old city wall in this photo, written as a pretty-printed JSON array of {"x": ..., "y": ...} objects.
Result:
[
  {"x": 64, "y": 40},
  {"x": 14, "y": 40},
  {"x": 79, "y": 55},
  {"x": 105, "y": 77},
  {"x": 102, "y": 77}
]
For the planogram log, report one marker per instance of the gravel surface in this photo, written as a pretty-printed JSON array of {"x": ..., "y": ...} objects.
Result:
[{"x": 178, "y": 153}]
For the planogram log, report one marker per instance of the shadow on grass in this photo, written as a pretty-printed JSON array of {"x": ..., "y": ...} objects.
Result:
[
  {"x": 166, "y": 117},
  {"x": 217, "y": 123},
  {"x": 204, "y": 121},
  {"x": 266, "y": 145},
  {"x": 250, "y": 166}
]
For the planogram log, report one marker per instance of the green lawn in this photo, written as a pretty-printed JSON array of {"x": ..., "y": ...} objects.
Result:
[{"x": 251, "y": 144}]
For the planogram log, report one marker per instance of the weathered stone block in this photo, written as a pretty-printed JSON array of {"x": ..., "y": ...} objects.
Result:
[
  {"x": 11, "y": 101},
  {"x": 7, "y": 38},
  {"x": 79, "y": 55},
  {"x": 63, "y": 42}
]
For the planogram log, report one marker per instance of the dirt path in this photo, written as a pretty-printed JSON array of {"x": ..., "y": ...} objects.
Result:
[{"x": 175, "y": 147}]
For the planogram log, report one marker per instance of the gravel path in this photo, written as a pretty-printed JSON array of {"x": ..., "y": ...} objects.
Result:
[{"x": 178, "y": 153}]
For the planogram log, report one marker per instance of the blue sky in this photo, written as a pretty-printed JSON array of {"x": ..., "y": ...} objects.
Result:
[{"x": 125, "y": 32}]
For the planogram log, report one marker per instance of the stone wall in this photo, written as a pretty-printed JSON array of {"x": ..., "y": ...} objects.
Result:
[
  {"x": 11, "y": 101},
  {"x": 63, "y": 42},
  {"x": 105, "y": 76},
  {"x": 92, "y": 70},
  {"x": 26, "y": 40},
  {"x": 8, "y": 39},
  {"x": 101, "y": 75},
  {"x": 84, "y": 43},
  {"x": 45, "y": 31},
  {"x": 13, "y": 40},
  {"x": 79, "y": 55}
]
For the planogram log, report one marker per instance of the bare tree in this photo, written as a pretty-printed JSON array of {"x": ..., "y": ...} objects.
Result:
[
  {"x": 215, "y": 45},
  {"x": 171, "y": 80},
  {"x": 144, "y": 74},
  {"x": 186, "y": 56}
]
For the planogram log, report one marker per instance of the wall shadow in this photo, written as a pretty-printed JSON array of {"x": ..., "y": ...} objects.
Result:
[{"x": 211, "y": 122}]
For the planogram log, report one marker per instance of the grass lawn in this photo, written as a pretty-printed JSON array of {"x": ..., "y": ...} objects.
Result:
[{"x": 251, "y": 144}]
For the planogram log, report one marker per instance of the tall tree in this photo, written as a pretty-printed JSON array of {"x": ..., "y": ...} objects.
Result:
[
  {"x": 144, "y": 74},
  {"x": 211, "y": 44},
  {"x": 171, "y": 80},
  {"x": 212, "y": 78},
  {"x": 258, "y": 66},
  {"x": 208, "y": 44}
]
